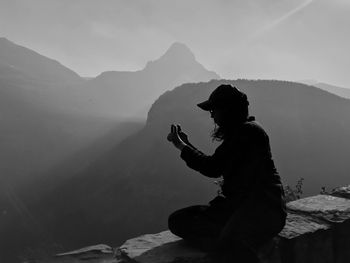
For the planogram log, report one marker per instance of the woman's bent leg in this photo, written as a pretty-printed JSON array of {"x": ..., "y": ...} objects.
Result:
[{"x": 193, "y": 225}]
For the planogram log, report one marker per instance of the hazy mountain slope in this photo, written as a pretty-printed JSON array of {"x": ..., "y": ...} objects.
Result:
[
  {"x": 342, "y": 92},
  {"x": 32, "y": 138},
  {"x": 21, "y": 228},
  {"x": 33, "y": 65},
  {"x": 132, "y": 93},
  {"x": 42, "y": 81},
  {"x": 134, "y": 187},
  {"x": 82, "y": 160},
  {"x": 45, "y": 82},
  {"x": 35, "y": 133}
]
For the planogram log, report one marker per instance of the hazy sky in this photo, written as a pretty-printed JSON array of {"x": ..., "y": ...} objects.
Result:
[{"x": 282, "y": 39}]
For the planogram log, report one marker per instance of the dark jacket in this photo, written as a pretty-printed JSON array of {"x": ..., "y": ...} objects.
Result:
[{"x": 245, "y": 163}]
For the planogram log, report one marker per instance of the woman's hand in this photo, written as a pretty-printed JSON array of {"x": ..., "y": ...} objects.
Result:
[
  {"x": 183, "y": 136},
  {"x": 176, "y": 135}
]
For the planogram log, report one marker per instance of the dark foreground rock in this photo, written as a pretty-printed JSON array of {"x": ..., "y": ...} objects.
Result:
[
  {"x": 163, "y": 247},
  {"x": 317, "y": 231},
  {"x": 93, "y": 254}
]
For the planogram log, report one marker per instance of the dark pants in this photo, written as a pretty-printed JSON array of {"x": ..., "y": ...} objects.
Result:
[{"x": 236, "y": 233}]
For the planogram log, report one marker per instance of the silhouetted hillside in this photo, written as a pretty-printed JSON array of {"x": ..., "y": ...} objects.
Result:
[{"x": 137, "y": 184}]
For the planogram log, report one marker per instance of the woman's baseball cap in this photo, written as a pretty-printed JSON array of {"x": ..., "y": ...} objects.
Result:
[{"x": 224, "y": 96}]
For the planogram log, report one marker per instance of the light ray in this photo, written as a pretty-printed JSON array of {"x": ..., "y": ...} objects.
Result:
[{"x": 280, "y": 20}]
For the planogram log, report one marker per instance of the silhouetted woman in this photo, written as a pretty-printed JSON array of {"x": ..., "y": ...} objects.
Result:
[{"x": 250, "y": 210}]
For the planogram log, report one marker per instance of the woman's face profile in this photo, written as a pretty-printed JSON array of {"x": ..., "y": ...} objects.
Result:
[
  {"x": 222, "y": 116},
  {"x": 217, "y": 115}
]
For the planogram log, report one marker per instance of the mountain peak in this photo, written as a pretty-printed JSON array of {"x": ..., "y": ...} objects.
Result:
[
  {"x": 177, "y": 55},
  {"x": 179, "y": 49}
]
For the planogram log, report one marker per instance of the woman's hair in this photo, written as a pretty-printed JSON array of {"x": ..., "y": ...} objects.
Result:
[{"x": 233, "y": 116}]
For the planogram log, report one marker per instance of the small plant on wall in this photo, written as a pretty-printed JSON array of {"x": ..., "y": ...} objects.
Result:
[{"x": 294, "y": 193}]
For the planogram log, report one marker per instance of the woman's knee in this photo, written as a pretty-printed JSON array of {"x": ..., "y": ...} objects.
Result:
[
  {"x": 173, "y": 222},
  {"x": 180, "y": 220}
]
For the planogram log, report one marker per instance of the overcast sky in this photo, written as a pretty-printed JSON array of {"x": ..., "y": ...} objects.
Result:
[{"x": 274, "y": 39}]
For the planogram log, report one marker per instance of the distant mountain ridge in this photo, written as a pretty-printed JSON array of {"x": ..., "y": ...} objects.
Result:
[
  {"x": 132, "y": 93},
  {"x": 113, "y": 94}
]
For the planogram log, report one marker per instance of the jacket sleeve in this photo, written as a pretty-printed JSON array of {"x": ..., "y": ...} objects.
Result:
[{"x": 208, "y": 165}]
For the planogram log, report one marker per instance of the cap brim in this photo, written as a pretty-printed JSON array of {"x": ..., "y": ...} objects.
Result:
[{"x": 205, "y": 105}]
